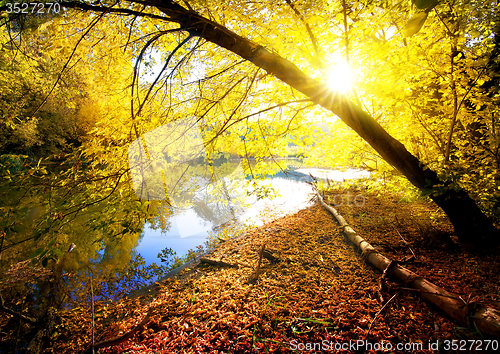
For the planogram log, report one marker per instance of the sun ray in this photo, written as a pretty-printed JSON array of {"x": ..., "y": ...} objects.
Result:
[{"x": 340, "y": 77}]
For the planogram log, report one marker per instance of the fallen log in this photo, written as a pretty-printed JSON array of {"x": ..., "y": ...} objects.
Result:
[
  {"x": 218, "y": 263},
  {"x": 484, "y": 317}
]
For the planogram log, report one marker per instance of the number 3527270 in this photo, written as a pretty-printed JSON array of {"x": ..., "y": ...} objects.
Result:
[{"x": 32, "y": 7}]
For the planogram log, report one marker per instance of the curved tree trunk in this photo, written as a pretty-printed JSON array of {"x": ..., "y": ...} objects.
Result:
[{"x": 478, "y": 232}]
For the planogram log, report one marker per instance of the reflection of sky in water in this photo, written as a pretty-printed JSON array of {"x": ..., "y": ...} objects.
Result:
[
  {"x": 189, "y": 230},
  {"x": 154, "y": 241}
]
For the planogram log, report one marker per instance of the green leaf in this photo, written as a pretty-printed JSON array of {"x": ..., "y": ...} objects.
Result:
[
  {"x": 52, "y": 243},
  {"x": 37, "y": 235},
  {"x": 43, "y": 253},
  {"x": 37, "y": 252},
  {"x": 425, "y": 4},
  {"x": 415, "y": 23}
]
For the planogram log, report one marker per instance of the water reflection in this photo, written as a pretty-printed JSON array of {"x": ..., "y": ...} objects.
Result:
[
  {"x": 189, "y": 228},
  {"x": 118, "y": 237},
  {"x": 43, "y": 212}
]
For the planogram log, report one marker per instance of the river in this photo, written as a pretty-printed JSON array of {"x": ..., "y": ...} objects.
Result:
[
  {"x": 189, "y": 230},
  {"x": 117, "y": 250}
]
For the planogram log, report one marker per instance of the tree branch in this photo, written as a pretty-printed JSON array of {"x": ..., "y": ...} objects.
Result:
[
  {"x": 106, "y": 9},
  {"x": 319, "y": 56},
  {"x": 93, "y": 23}
]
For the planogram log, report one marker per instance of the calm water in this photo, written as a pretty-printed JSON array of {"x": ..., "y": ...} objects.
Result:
[
  {"x": 188, "y": 229},
  {"x": 114, "y": 247}
]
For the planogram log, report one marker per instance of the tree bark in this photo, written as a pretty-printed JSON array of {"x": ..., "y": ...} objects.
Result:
[{"x": 478, "y": 233}]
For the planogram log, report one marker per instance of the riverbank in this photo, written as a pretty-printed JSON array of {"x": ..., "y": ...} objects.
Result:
[{"x": 313, "y": 287}]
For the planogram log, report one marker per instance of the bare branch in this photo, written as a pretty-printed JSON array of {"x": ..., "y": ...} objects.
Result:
[
  {"x": 14, "y": 313},
  {"x": 259, "y": 112},
  {"x": 105, "y": 9},
  {"x": 346, "y": 31},
  {"x": 136, "y": 71},
  {"x": 319, "y": 56},
  {"x": 217, "y": 74},
  {"x": 242, "y": 100}
]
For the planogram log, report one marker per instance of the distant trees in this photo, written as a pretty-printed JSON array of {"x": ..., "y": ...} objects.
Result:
[{"x": 27, "y": 73}]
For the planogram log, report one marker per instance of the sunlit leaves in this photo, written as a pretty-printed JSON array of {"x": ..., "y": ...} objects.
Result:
[
  {"x": 415, "y": 23},
  {"x": 300, "y": 298}
]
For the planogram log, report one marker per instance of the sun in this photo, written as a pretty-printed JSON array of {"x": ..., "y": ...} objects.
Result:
[{"x": 340, "y": 78}]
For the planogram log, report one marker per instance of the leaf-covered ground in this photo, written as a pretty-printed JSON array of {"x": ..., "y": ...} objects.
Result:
[{"x": 320, "y": 294}]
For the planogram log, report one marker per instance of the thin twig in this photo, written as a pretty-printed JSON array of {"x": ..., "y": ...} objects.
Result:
[
  {"x": 2, "y": 235},
  {"x": 378, "y": 313},
  {"x": 319, "y": 55},
  {"x": 14, "y": 313},
  {"x": 261, "y": 253},
  {"x": 346, "y": 31},
  {"x": 255, "y": 276},
  {"x": 405, "y": 242}
]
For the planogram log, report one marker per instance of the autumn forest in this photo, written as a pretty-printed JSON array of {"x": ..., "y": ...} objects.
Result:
[{"x": 207, "y": 176}]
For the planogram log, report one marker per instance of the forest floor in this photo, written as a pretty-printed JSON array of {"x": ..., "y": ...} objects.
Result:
[{"x": 318, "y": 294}]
